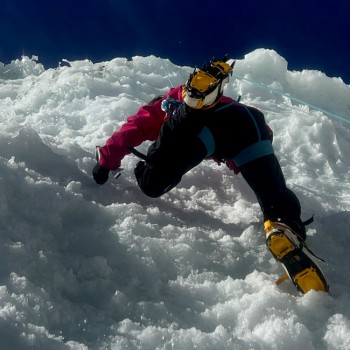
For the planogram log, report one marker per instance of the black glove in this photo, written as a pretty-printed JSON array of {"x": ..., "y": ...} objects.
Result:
[{"x": 100, "y": 174}]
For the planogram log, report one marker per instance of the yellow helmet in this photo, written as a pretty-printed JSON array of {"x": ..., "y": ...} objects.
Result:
[{"x": 205, "y": 86}]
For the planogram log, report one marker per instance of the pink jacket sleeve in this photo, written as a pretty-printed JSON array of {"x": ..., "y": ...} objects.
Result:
[{"x": 142, "y": 126}]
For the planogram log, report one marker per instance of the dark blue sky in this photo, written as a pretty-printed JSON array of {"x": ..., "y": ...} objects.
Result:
[{"x": 309, "y": 34}]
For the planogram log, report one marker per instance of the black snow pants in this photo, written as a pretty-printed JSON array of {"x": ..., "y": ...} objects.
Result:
[{"x": 264, "y": 175}]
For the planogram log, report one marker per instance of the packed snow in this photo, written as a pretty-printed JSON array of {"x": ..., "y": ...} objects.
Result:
[{"x": 84, "y": 266}]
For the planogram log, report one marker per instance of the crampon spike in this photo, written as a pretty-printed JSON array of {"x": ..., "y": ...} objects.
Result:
[{"x": 281, "y": 279}]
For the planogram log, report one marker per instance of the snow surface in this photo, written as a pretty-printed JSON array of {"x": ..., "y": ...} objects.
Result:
[{"x": 84, "y": 266}]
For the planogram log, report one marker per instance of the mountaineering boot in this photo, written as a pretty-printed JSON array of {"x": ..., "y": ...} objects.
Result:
[{"x": 290, "y": 250}]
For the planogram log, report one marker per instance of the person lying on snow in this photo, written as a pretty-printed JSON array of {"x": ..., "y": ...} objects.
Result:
[{"x": 195, "y": 121}]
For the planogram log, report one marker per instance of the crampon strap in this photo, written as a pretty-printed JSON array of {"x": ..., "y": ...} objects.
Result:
[{"x": 309, "y": 221}]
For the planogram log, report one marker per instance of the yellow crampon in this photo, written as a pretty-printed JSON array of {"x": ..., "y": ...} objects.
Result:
[
  {"x": 309, "y": 279},
  {"x": 282, "y": 279},
  {"x": 299, "y": 263}
]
